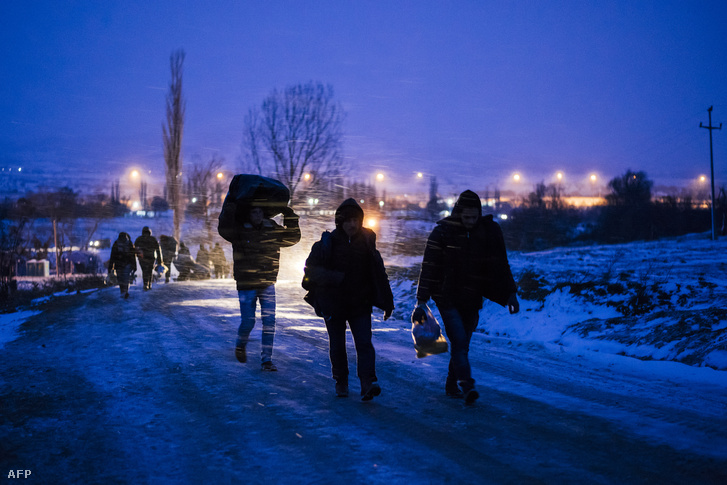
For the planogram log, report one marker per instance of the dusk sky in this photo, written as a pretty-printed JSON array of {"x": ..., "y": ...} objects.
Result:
[{"x": 468, "y": 91}]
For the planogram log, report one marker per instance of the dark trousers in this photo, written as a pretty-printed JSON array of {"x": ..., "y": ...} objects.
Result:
[
  {"x": 365, "y": 355},
  {"x": 146, "y": 270},
  {"x": 460, "y": 324}
]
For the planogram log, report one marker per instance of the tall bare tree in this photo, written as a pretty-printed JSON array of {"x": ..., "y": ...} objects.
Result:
[
  {"x": 202, "y": 187},
  {"x": 172, "y": 135},
  {"x": 296, "y": 131}
]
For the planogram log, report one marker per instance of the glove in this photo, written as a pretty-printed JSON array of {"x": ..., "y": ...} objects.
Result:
[
  {"x": 419, "y": 315},
  {"x": 512, "y": 304},
  {"x": 387, "y": 314}
]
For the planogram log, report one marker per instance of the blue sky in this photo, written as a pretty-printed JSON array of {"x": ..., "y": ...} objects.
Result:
[{"x": 470, "y": 92}]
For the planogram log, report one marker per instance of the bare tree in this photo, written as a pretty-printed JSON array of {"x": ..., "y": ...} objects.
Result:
[
  {"x": 202, "y": 187},
  {"x": 296, "y": 131},
  {"x": 172, "y": 135}
]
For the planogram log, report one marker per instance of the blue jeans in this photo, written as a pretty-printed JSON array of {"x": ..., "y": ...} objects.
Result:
[
  {"x": 460, "y": 324},
  {"x": 248, "y": 301}
]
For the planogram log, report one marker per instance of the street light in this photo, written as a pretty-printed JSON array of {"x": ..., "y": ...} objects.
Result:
[
  {"x": 380, "y": 176},
  {"x": 516, "y": 177},
  {"x": 559, "y": 176}
]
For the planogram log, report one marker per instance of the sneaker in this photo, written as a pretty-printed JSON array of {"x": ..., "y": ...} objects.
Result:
[
  {"x": 241, "y": 354},
  {"x": 373, "y": 390},
  {"x": 269, "y": 366},
  {"x": 471, "y": 396},
  {"x": 341, "y": 389}
]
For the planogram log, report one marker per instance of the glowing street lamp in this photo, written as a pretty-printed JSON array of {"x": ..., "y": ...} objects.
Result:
[
  {"x": 593, "y": 178},
  {"x": 306, "y": 177},
  {"x": 516, "y": 177},
  {"x": 134, "y": 174},
  {"x": 559, "y": 176},
  {"x": 220, "y": 175},
  {"x": 380, "y": 177},
  {"x": 702, "y": 178},
  {"x": 420, "y": 175}
]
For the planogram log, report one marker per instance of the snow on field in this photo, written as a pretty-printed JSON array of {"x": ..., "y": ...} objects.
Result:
[{"x": 660, "y": 300}]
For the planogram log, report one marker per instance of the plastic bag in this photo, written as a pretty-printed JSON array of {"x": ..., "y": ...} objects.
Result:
[
  {"x": 111, "y": 279},
  {"x": 427, "y": 335}
]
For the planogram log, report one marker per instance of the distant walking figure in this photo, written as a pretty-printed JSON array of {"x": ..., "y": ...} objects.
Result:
[
  {"x": 345, "y": 278},
  {"x": 464, "y": 260},
  {"x": 123, "y": 262},
  {"x": 169, "y": 246},
  {"x": 149, "y": 254}
]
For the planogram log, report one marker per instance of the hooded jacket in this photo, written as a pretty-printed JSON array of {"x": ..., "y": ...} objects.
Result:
[
  {"x": 147, "y": 248},
  {"x": 346, "y": 276},
  {"x": 461, "y": 266}
]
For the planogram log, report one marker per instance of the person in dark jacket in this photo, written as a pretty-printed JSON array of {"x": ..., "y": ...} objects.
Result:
[
  {"x": 203, "y": 260},
  {"x": 123, "y": 262},
  {"x": 168, "y": 244},
  {"x": 149, "y": 254},
  {"x": 464, "y": 260},
  {"x": 217, "y": 256},
  {"x": 345, "y": 277},
  {"x": 256, "y": 242}
]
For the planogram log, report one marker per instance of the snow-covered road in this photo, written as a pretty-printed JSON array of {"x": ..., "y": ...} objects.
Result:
[{"x": 97, "y": 390}]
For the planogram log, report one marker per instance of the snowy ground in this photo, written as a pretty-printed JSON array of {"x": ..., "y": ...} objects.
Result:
[{"x": 98, "y": 389}]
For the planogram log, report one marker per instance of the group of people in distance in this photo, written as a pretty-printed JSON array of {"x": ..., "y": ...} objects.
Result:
[
  {"x": 465, "y": 261},
  {"x": 158, "y": 256}
]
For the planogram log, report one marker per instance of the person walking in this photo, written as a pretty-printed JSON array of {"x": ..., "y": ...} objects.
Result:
[
  {"x": 149, "y": 254},
  {"x": 256, "y": 242},
  {"x": 123, "y": 262},
  {"x": 169, "y": 246},
  {"x": 345, "y": 278},
  {"x": 204, "y": 261},
  {"x": 217, "y": 255},
  {"x": 465, "y": 259}
]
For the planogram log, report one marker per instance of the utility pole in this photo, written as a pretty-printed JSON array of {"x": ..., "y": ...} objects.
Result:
[{"x": 711, "y": 162}]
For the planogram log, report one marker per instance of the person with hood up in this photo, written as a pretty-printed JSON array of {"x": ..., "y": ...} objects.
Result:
[
  {"x": 464, "y": 260},
  {"x": 149, "y": 254},
  {"x": 345, "y": 278},
  {"x": 123, "y": 261},
  {"x": 256, "y": 242}
]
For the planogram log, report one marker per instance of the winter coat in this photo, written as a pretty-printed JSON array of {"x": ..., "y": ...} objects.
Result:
[
  {"x": 461, "y": 266},
  {"x": 203, "y": 258},
  {"x": 147, "y": 249},
  {"x": 346, "y": 276},
  {"x": 168, "y": 245},
  {"x": 256, "y": 250},
  {"x": 123, "y": 256}
]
